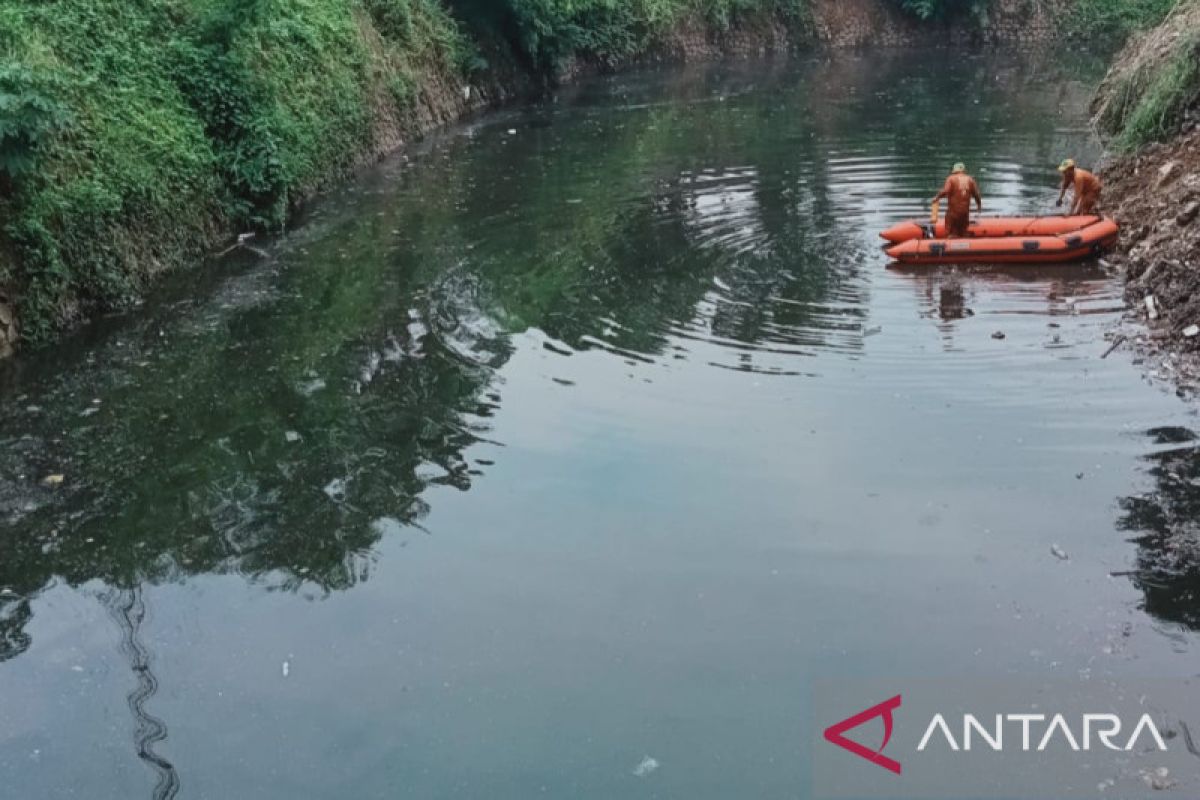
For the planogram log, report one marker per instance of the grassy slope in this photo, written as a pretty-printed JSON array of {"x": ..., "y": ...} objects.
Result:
[
  {"x": 133, "y": 132},
  {"x": 176, "y": 119},
  {"x": 1155, "y": 81}
]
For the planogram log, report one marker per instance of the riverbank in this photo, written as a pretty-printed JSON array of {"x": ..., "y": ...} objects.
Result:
[
  {"x": 1150, "y": 105},
  {"x": 215, "y": 119},
  {"x": 553, "y": 442}
]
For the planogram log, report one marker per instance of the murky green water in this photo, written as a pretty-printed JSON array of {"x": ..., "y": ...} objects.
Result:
[{"x": 538, "y": 453}]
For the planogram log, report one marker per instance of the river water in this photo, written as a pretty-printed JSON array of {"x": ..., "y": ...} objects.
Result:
[{"x": 590, "y": 433}]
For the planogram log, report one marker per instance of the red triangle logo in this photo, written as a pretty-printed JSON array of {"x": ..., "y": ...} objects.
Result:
[{"x": 834, "y": 734}]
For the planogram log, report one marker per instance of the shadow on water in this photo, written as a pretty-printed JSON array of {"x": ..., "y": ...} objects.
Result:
[{"x": 1167, "y": 523}]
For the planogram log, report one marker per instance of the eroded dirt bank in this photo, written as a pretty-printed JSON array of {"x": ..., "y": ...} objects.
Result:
[{"x": 1156, "y": 195}]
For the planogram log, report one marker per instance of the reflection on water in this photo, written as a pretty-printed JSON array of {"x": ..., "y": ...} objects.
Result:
[
  {"x": 1166, "y": 521},
  {"x": 635, "y": 386},
  {"x": 128, "y": 610}
]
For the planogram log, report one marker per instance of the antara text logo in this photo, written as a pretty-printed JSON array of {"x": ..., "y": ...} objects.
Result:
[{"x": 1003, "y": 732}]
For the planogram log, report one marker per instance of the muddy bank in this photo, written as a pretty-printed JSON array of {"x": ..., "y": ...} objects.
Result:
[{"x": 1154, "y": 191}]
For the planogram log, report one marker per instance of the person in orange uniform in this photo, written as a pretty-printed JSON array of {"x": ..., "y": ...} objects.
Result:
[
  {"x": 959, "y": 191},
  {"x": 1087, "y": 188}
]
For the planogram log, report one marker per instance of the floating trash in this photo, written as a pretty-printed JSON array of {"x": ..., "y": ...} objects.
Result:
[{"x": 647, "y": 766}]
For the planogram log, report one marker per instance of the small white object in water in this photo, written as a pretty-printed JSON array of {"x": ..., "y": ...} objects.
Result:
[
  {"x": 287, "y": 667},
  {"x": 512, "y": 131},
  {"x": 1059, "y": 553},
  {"x": 647, "y": 766},
  {"x": 1158, "y": 779},
  {"x": 1191, "y": 331},
  {"x": 291, "y": 437},
  {"x": 1151, "y": 307},
  {"x": 310, "y": 387}
]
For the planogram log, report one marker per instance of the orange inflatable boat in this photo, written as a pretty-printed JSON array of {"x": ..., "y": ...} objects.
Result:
[{"x": 1002, "y": 240}]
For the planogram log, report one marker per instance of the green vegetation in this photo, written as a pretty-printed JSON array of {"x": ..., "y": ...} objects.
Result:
[
  {"x": 134, "y": 132},
  {"x": 551, "y": 31},
  {"x": 1116, "y": 19},
  {"x": 1109, "y": 19},
  {"x": 1156, "y": 112},
  {"x": 1155, "y": 83}
]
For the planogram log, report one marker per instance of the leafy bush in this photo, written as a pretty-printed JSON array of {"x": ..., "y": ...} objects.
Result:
[
  {"x": 130, "y": 133},
  {"x": 1116, "y": 19},
  {"x": 30, "y": 114},
  {"x": 551, "y": 31}
]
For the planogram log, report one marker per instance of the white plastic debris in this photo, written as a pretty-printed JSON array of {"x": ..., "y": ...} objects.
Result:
[
  {"x": 647, "y": 766},
  {"x": 512, "y": 131},
  {"x": 292, "y": 437},
  {"x": 1151, "y": 306},
  {"x": 287, "y": 668},
  {"x": 1059, "y": 553},
  {"x": 1158, "y": 779},
  {"x": 1191, "y": 331}
]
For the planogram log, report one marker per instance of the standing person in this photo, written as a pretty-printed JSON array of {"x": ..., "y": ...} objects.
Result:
[
  {"x": 958, "y": 192},
  {"x": 1086, "y": 185}
]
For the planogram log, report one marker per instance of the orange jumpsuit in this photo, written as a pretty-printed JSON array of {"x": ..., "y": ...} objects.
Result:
[
  {"x": 1087, "y": 190},
  {"x": 959, "y": 191}
]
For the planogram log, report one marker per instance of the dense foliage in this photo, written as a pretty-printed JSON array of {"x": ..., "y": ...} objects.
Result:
[
  {"x": 131, "y": 131},
  {"x": 552, "y": 30},
  {"x": 1116, "y": 19}
]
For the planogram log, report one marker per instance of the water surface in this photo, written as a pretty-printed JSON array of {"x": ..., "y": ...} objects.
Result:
[{"x": 590, "y": 432}]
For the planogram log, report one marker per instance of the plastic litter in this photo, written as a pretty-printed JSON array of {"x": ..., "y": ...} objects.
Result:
[{"x": 647, "y": 766}]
